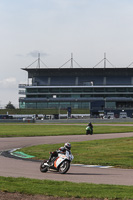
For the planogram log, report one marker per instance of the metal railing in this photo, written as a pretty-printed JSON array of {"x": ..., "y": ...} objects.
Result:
[{"x": 22, "y": 92}]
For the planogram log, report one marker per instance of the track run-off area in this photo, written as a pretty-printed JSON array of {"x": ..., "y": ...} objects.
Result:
[{"x": 10, "y": 167}]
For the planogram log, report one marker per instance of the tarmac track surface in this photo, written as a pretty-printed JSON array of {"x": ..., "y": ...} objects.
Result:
[{"x": 30, "y": 169}]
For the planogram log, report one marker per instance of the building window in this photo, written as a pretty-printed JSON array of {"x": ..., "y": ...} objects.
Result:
[
  {"x": 30, "y": 105},
  {"x": 42, "y": 105}
]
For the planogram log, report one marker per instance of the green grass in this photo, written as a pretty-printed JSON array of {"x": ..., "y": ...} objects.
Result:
[
  {"x": 112, "y": 152},
  {"x": 65, "y": 189},
  {"x": 39, "y": 130},
  {"x": 19, "y": 130}
]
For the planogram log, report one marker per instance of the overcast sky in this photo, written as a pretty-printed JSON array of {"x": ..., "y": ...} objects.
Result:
[{"x": 57, "y": 28}]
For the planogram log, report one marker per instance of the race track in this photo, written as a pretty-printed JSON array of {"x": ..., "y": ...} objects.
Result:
[{"x": 30, "y": 169}]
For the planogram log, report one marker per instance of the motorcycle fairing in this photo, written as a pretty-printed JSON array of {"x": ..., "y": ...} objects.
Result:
[{"x": 59, "y": 160}]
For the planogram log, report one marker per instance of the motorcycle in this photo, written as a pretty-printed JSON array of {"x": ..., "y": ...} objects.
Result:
[
  {"x": 89, "y": 130},
  {"x": 61, "y": 163}
]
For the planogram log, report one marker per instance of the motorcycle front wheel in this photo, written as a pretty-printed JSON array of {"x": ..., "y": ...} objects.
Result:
[
  {"x": 64, "y": 167},
  {"x": 43, "y": 168}
]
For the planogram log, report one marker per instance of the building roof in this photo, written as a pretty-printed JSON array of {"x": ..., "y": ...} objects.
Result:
[{"x": 32, "y": 72}]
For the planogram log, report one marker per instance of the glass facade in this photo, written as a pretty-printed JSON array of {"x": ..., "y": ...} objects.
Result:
[
  {"x": 75, "y": 97},
  {"x": 62, "y": 105},
  {"x": 77, "y": 92},
  {"x": 94, "y": 89}
]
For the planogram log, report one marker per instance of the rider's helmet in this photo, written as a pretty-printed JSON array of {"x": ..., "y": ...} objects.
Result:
[{"x": 67, "y": 146}]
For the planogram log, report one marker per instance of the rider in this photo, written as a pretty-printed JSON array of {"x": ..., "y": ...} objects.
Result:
[
  {"x": 62, "y": 150},
  {"x": 91, "y": 126},
  {"x": 89, "y": 129}
]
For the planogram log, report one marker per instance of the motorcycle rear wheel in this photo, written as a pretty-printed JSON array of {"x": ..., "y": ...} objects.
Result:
[
  {"x": 43, "y": 168},
  {"x": 64, "y": 167}
]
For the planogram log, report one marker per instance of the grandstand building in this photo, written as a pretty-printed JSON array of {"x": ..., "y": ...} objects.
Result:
[{"x": 101, "y": 90}]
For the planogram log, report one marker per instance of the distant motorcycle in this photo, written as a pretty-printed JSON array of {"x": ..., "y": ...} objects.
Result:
[
  {"x": 61, "y": 163},
  {"x": 89, "y": 130}
]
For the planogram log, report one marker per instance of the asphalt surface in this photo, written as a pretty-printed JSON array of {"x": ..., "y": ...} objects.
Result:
[{"x": 30, "y": 169}]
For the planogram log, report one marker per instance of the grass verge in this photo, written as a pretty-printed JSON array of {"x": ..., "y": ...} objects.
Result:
[
  {"x": 17, "y": 130},
  {"x": 65, "y": 189},
  {"x": 108, "y": 152}
]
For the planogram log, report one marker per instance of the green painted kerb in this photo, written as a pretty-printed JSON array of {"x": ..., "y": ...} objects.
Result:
[{"x": 21, "y": 154}]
